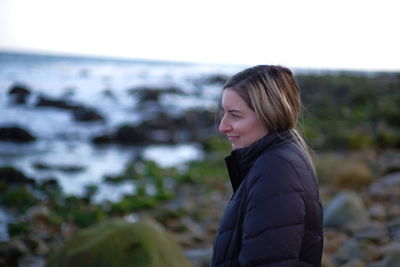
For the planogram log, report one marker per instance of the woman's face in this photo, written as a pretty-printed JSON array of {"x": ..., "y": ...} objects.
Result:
[{"x": 239, "y": 122}]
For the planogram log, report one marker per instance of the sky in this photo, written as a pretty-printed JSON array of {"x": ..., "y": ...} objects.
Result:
[{"x": 327, "y": 34}]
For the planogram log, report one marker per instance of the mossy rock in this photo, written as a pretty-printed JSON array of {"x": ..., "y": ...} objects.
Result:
[{"x": 120, "y": 243}]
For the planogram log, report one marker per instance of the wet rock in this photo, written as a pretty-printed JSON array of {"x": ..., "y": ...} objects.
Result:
[
  {"x": 149, "y": 94},
  {"x": 62, "y": 168},
  {"x": 10, "y": 175},
  {"x": 44, "y": 101},
  {"x": 130, "y": 135},
  {"x": 216, "y": 79},
  {"x": 15, "y": 134},
  {"x": 142, "y": 243},
  {"x": 346, "y": 208},
  {"x": 87, "y": 114},
  {"x": 19, "y": 94},
  {"x": 103, "y": 139}
]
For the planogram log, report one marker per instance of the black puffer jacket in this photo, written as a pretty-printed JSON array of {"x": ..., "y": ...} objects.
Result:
[{"x": 274, "y": 217}]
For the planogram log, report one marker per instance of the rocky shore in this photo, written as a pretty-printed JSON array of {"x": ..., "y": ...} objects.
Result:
[{"x": 174, "y": 210}]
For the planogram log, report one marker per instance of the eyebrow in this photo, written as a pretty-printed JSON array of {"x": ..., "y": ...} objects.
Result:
[{"x": 233, "y": 110}]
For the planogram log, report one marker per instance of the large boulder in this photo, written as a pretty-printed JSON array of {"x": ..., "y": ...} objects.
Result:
[
  {"x": 120, "y": 243},
  {"x": 347, "y": 208},
  {"x": 15, "y": 134}
]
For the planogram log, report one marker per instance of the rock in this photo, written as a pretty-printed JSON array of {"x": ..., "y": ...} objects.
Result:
[
  {"x": 356, "y": 250},
  {"x": 62, "y": 168},
  {"x": 346, "y": 208},
  {"x": 377, "y": 211},
  {"x": 149, "y": 94},
  {"x": 19, "y": 94},
  {"x": 130, "y": 135},
  {"x": 87, "y": 114},
  {"x": 354, "y": 263},
  {"x": 37, "y": 213},
  {"x": 374, "y": 232},
  {"x": 15, "y": 134},
  {"x": 394, "y": 229},
  {"x": 391, "y": 260},
  {"x": 386, "y": 187},
  {"x": 10, "y": 175},
  {"x": 389, "y": 248},
  {"x": 120, "y": 243},
  {"x": 388, "y": 162},
  {"x": 216, "y": 79},
  {"x": 200, "y": 257},
  {"x": 31, "y": 260},
  {"x": 103, "y": 139},
  {"x": 44, "y": 101}
]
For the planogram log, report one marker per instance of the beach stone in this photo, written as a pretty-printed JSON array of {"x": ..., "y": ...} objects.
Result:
[
  {"x": 120, "y": 243},
  {"x": 354, "y": 263},
  {"x": 374, "y": 232},
  {"x": 16, "y": 134},
  {"x": 19, "y": 94},
  {"x": 389, "y": 248},
  {"x": 388, "y": 162},
  {"x": 391, "y": 260},
  {"x": 394, "y": 229},
  {"x": 387, "y": 186},
  {"x": 200, "y": 257},
  {"x": 37, "y": 213},
  {"x": 346, "y": 208},
  {"x": 377, "y": 211},
  {"x": 356, "y": 249}
]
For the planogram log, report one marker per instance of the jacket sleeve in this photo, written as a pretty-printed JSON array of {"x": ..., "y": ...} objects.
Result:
[{"x": 273, "y": 225}]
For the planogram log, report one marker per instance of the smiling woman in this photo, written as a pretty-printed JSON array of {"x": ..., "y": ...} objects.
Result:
[
  {"x": 240, "y": 122},
  {"x": 275, "y": 215}
]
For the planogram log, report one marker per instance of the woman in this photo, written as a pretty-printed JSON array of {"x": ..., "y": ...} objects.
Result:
[{"x": 274, "y": 217}]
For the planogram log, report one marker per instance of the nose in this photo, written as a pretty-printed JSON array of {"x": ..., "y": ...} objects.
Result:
[{"x": 224, "y": 126}]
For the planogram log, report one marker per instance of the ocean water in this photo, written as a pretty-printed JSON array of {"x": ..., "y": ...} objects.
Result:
[{"x": 103, "y": 84}]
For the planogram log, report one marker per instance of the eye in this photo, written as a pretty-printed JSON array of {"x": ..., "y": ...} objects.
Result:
[{"x": 235, "y": 116}]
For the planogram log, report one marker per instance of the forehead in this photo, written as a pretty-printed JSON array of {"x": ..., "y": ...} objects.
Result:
[{"x": 232, "y": 100}]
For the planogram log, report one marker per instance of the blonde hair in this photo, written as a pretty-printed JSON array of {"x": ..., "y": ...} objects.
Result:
[{"x": 274, "y": 95}]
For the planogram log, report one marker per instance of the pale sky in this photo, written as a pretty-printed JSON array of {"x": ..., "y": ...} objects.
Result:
[{"x": 333, "y": 34}]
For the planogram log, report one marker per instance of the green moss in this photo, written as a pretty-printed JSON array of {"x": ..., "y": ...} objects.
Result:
[
  {"x": 19, "y": 197},
  {"x": 18, "y": 228},
  {"x": 118, "y": 243}
]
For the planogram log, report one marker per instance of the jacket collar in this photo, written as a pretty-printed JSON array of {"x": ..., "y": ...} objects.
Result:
[{"x": 240, "y": 160}]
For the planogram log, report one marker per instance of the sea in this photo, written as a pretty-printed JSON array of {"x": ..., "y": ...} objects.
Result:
[{"x": 104, "y": 84}]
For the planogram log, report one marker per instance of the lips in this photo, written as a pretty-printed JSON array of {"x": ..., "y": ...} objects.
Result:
[{"x": 233, "y": 138}]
